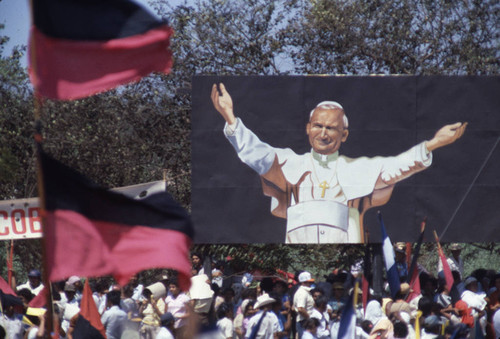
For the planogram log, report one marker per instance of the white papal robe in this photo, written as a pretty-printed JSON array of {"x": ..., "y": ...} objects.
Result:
[{"x": 318, "y": 202}]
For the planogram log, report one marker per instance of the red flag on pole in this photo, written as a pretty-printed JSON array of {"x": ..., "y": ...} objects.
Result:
[
  {"x": 446, "y": 268},
  {"x": 88, "y": 325}
]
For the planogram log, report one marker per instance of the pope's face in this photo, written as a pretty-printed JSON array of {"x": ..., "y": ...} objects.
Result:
[{"x": 326, "y": 130}]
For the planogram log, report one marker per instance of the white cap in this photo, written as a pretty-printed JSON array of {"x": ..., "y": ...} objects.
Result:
[{"x": 305, "y": 277}]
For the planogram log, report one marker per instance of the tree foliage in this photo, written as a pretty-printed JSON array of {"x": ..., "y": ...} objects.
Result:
[
  {"x": 138, "y": 132},
  {"x": 395, "y": 37}
]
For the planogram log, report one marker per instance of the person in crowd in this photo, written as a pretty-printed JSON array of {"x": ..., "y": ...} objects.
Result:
[
  {"x": 77, "y": 282},
  {"x": 240, "y": 322},
  {"x": 167, "y": 321},
  {"x": 10, "y": 319},
  {"x": 432, "y": 327},
  {"x": 226, "y": 296},
  {"x": 400, "y": 330},
  {"x": 26, "y": 296},
  {"x": 264, "y": 324},
  {"x": 151, "y": 310},
  {"x": 399, "y": 303},
  {"x": 337, "y": 300},
  {"x": 114, "y": 318},
  {"x": 382, "y": 330},
  {"x": 455, "y": 261},
  {"x": 374, "y": 311},
  {"x": 471, "y": 295},
  {"x": 225, "y": 320},
  {"x": 99, "y": 295},
  {"x": 201, "y": 299},
  {"x": 280, "y": 288},
  {"x": 310, "y": 329},
  {"x": 128, "y": 304},
  {"x": 197, "y": 262},
  {"x": 34, "y": 283},
  {"x": 284, "y": 317},
  {"x": 400, "y": 259},
  {"x": 137, "y": 288},
  {"x": 177, "y": 303},
  {"x": 303, "y": 301},
  {"x": 70, "y": 307},
  {"x": 496, "y": 324},
  {"x": 319, "y": 312}
]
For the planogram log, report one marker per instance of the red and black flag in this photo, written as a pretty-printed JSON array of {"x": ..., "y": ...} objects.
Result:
[
  {"x": 88, "y": 324},
  {"x": 91, "y": 231},
  {"x": 8, "y": 298},
  {"x": 82, "y": 47}
]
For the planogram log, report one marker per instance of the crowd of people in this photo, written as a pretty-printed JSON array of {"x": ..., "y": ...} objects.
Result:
[{"x": 251, "y": 306}]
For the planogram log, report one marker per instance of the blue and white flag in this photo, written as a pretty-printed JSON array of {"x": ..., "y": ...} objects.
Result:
[
  {"x": 347, "y": 326},
  {"x": 390, "y": 263}
]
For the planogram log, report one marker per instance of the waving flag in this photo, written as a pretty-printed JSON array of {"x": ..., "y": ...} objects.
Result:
[
  {"x": 390, "y": 263},
  {"x": 347, "y": 326},
  {"x": 414, "y": 274},
  {"x": 79, "y": 48},
  {"x": 91, "y": 231}
]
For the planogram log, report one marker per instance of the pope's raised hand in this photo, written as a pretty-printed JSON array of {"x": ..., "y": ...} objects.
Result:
[
  {"x": 223, "y": 103},
  {"x": 446, "y": 135}
]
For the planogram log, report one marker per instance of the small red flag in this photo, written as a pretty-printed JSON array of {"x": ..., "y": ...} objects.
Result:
[
  {"x": 89, "y": 319},
  {"x": 40, "y": 300}
]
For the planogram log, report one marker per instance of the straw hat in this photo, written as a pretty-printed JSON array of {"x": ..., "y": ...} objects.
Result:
[{"x": 264, "y": 300}]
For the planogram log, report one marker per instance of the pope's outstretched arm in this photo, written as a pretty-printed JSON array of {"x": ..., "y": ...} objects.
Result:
[{"x": 223, "y": 103}]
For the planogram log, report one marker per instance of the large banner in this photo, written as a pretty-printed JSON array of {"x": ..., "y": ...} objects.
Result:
[
  {"x": 290, "y": 171},
  {"x": 20, "y": 218}
]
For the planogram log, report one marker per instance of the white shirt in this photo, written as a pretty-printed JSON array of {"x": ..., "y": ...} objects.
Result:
[
  {"x": 455, "y": 265},
  {"x": 268, "y": 326},
  {"x": 474, "y": 300},
  {"x": 34, "y": 290},
  {"x": 303, "y": 298},
  {"x": 164, "y": 333},
  {"x": 13, "y": 327},
  {"x": 323, "y": 330},
  {"x": 177, "y": 306},
  {"x": 100, "y": 302},
  {"x": 225, "y": 326}
]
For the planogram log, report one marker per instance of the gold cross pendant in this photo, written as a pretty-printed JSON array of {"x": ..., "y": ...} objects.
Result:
[{"x": 324, "y": 186}]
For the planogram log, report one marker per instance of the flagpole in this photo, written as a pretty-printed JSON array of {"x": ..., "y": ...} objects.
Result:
[
  {"x": 413, "y": 265},
  {"x": 38, "y": 103},
  {"x": 10, "y": 262},
  {"x": 41, "y": 194}
]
